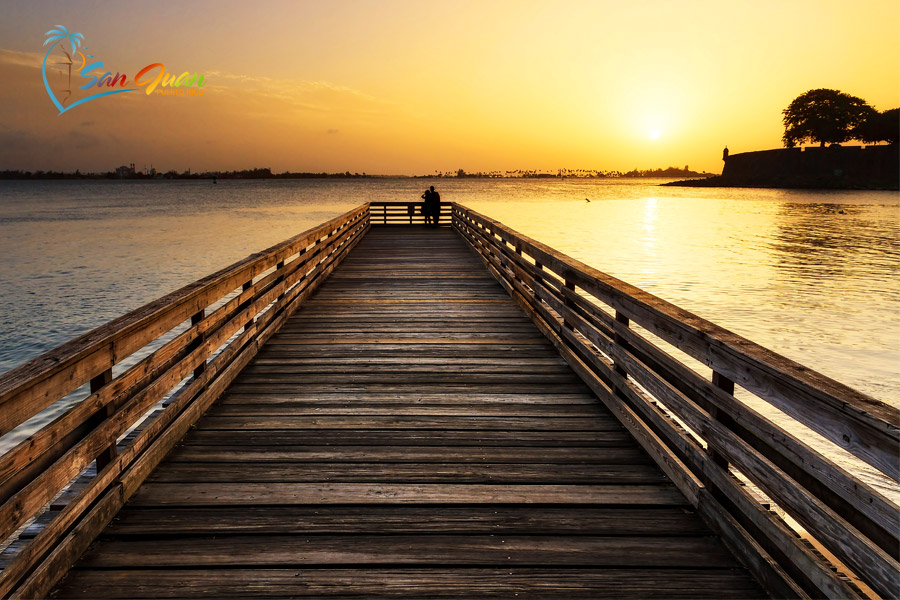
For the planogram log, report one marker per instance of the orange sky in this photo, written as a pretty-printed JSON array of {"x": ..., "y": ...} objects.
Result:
[{"x": 411, "y": 87}]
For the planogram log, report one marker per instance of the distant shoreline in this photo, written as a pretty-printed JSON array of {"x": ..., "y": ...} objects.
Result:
[{"x": 132, "y": 175}]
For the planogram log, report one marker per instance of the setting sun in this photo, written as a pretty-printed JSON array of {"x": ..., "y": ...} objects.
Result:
[{"x": 654, "y": 134}]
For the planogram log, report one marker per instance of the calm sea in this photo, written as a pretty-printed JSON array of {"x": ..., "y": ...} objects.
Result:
[{"x": 809, "y": 274}]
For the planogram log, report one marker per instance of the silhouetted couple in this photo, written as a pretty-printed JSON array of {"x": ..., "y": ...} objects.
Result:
[{"x": 432, "y": 207}]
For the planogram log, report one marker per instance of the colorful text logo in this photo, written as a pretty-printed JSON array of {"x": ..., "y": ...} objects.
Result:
[{"x": 151, "y": 78}]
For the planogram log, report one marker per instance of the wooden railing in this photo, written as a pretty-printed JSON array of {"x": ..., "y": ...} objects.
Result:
[
  {"x": 406, "y": 213},
  {"x": 707, "y": 440},
  {"x": 218, "y": 324}
]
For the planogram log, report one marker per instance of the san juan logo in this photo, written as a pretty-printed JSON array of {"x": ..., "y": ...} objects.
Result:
[{"x": 73, "y": 76}]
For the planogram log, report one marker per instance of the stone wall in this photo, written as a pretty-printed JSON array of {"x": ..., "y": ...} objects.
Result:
[{"x": 872, "y": 167}]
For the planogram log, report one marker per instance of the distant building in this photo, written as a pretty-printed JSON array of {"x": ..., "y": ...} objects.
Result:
[{"x": 125, "y": 172}]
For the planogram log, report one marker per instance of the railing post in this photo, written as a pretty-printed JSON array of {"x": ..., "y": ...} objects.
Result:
[
  {"x": 518, "y": 251},
  {"x": 620, "y": 341},
  {"x": 109, "y": 453},
  {"x": 247, "y": 285},
  {"x": 280, "y": 267},
  {"x": 726, "y": 385},
  {"x": 195, "y": 319},
  {"x": 569, "y": 285},
  {"x": 384, "y": 213}
]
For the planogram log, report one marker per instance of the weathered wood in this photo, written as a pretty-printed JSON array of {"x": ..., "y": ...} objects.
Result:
[
  {"x": 300, "y": 398},
  {"x": 705, "y": 424},
  {"x": 767, "y": 570},
  {"x": 161, "y": 494},
  {"x": 515, "y": 275},
  {"x": 121, "y": 404},
  {"x": 866, "y": 508},
  {"x": 858, "y": 552},
  {"x": 392, "y": 519},
  {"x": 37, "y": 445},
  {"x": 513, "y": 581},
  {"x": 504, "y": 433},
  {"x": 439, "y": 454},
  {"x": 422, "y": 550},
  {"x": 411, "y": 398},
  {"x": 23, "y": 504},
  {"x": 411, "y": 473},
  {"x": 364, "y": 408}
]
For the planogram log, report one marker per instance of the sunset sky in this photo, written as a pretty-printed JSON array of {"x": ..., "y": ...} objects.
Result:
[{"x": 397, "y": 87}]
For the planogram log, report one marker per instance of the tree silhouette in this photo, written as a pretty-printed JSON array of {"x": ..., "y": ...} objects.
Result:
[
  {"x": 880, "y": 127},
  {"x": 824, "y": 116}
]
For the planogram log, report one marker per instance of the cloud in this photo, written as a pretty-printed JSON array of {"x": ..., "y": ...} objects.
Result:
[
  {"x": 333, "y": 131},
  {"x": 316, "y": 96},
  {"x": 21, "y": 59},
  {"x": 81, "y": 140},
  {"x": 17, "y": 141}
]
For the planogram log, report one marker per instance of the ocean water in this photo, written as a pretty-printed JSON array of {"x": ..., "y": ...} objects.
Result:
[{"x": 809, "y": 274}]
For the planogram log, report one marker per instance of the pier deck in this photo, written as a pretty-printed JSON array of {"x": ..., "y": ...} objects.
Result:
[
  {"x": 408, "y": 432},
  {"x": 375, "y": 409}
]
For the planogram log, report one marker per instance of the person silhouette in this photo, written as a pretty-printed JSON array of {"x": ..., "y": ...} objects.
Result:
[
  {"x": 725, "y": 153},
  {"x": 435, "y": 208},
  {"x": 426, "y": 207}
]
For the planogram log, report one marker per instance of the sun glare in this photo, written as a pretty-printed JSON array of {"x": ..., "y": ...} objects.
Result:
[{"x": 654, "y": 134}]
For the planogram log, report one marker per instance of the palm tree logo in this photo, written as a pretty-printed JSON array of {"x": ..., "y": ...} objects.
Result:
[
  {"x": 75, "y": 40},
  {"x": 61, "y": 35},
  {"x": 55, "y": 35}
]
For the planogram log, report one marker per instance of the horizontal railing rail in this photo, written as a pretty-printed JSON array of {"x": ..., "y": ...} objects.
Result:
[
  {"x": 218, "y": 323},
  {"x": 406, "y": 213},
  {"x": 707, "y": 440}
]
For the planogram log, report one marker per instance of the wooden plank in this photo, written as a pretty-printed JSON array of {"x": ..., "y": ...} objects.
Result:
[
  {"x": 301, "y": 398},
  {"x": 425, "y": 378},
  {"x": 295, "y": 550},
  {"x": 413, "y": 349},
  {"x": 394, "y": 519},
  {"x": 541, "y": 473},
  {"x": 407, "y": 366},
  {"x": 397, "y": 422},
  {"x": 183, "y": 494},
  {"x": 363, "y": 408},
  {"x": 399, "y": 437},
  {"x": 438, "y": 454},
  {"x": 686, "y": 583},
  {"x": 407, "y": 388},
  {"x": 411, "y": 338}
]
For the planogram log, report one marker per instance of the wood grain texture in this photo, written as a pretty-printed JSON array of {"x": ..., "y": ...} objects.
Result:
[
  {"x": 408, "y": 432},
  {"x": 515, "y": 582}
]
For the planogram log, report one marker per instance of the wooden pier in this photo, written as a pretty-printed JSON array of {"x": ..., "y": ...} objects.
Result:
[{"x": 380, "y": 409}]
